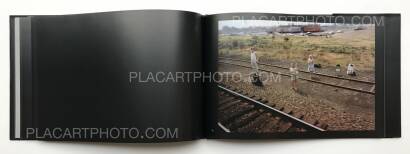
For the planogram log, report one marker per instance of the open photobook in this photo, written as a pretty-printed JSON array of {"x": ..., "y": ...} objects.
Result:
[{"x": 165, "y": 76}]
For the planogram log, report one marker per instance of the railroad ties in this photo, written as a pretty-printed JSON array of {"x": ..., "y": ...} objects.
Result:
[
  {"x": 242, "y": 112},
  {"x": 371, "y": 91}
]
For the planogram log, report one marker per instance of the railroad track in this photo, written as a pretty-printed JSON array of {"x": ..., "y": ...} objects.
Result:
[
  {"x": 240, "y": 112},
  {"x": 303, "y": 71},
  {"x": 336, "y": 85}
]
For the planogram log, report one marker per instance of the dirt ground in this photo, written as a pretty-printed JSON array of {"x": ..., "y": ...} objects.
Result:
[{"x": 340, "y": 109}]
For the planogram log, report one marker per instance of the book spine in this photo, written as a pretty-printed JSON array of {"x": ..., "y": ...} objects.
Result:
[{"x": 21, "y": 102}]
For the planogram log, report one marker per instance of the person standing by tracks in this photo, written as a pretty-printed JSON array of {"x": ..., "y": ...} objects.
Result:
[
  {"x": 311, "y": 66},
  {"x": 351, "y": 70},
  {"x": 254, "y": 62},
  {"x": 255, "y": 76},
  {"x": 293, "y": 69}
]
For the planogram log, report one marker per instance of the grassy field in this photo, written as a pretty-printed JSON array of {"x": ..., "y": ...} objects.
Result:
[{"x": 357, "y": 47}]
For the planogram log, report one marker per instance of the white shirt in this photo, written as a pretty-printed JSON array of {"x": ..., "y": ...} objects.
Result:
[
  {"x": 310, "y": 61},
  {"x": 253, "y": 57},
  {"x": 350, "y": 69},
  {"x": 293, "y": 70}
]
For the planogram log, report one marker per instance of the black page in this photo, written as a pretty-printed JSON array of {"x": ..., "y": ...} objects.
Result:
[
  {"x": 222, "y": 119},
  {"x": 81, "y": 66}
]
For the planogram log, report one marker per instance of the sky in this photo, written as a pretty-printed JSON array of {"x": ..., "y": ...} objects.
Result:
[
  {"x": 262, "y": 23},
  {"x": 259, "y": 23}
]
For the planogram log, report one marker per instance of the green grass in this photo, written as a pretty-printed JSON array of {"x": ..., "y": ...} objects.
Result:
[{"x": 355, "y": 47}]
